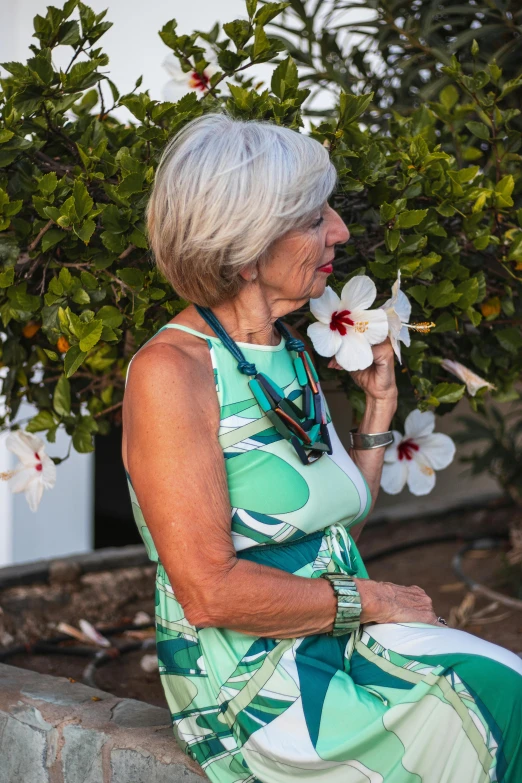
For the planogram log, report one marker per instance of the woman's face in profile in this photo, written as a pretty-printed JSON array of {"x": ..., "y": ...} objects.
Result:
[{"x": 300, "y": 262}]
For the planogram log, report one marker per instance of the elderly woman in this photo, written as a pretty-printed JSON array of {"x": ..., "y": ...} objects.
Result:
[{"x": 245, "y": 496}]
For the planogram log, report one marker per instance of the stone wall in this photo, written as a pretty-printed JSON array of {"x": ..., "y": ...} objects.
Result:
[{"x": 56, "y": 731}]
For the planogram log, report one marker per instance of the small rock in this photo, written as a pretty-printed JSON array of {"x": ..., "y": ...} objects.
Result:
[
  {"x": 142, "y": 618},
  {"x": 64, "y": 572},
  {"x": 149, "y": 663}
]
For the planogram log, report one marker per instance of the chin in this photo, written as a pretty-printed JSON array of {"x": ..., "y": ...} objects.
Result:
[{"x": 318, "y": 287}]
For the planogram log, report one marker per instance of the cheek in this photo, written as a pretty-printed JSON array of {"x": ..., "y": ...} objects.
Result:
[{"x": 294, "y": 268}]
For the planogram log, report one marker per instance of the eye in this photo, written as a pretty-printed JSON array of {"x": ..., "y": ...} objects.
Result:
[{"x": 317, "y": 222}]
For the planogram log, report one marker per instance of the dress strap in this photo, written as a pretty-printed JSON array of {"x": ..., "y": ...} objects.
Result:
[{"x": 187, "y": 329}]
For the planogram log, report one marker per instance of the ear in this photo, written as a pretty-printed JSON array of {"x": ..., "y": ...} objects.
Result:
[{"x": 249, "y": 273}]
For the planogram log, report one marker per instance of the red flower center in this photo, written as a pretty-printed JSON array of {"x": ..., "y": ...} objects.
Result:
[
  {"x": 38, "y": 466},
  {"x": 340, "y": 320},
  {"x": 406, "y": 448},
  {"x": 199, "y": 81}
]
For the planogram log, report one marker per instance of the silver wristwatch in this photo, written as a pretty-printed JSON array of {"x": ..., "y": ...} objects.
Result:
[{"x": 370, "y": 440}]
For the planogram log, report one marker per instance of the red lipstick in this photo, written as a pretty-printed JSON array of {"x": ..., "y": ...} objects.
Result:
[{"x": 326, "y": 268}]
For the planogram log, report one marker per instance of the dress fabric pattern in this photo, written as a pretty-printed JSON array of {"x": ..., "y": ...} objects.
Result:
[{"x": 391, "y": 703}]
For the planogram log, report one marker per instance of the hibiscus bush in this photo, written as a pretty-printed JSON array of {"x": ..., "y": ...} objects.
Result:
[{"x": 434, "y": 192}]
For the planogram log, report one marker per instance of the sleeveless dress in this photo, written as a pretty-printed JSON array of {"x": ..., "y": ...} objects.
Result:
[{"x": 391, "y": 703}]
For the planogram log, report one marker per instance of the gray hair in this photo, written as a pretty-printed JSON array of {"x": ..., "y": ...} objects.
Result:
[{"x": 225, "y": 190}]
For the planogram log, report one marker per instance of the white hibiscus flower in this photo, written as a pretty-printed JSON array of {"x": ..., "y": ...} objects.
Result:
[
  {"x": 180, "y": 82},
  {"x": 398, "y": 311},
  {"x": 36, "y": 470},
  {"x": 346, "y": 327},
  {"x": 473, "y": 381},
  {"x": 414, "y": 457}
]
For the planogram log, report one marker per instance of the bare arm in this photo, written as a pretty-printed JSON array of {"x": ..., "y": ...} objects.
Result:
[
  {"x": 378, "y": 382},
  {"x": 171, "y": 421},
  {"x": 177, "y": 467}
]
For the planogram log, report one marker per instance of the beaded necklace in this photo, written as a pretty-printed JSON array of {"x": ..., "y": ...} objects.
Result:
[{"x": 305, "y": 428}]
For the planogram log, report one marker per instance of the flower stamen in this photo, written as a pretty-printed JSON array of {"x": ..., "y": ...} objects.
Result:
[
  {"x": 406, "y": 448},
  {"x": 340, "y": 320},
  {"x": 361, "y": 327},
  {"x": 423, "y": 327}
]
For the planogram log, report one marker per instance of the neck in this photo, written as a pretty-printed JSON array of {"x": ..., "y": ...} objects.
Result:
[{"x": 250, "y": 318}]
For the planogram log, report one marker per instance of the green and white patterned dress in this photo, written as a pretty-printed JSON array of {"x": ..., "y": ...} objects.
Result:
[{"x": 394, "y": 703}]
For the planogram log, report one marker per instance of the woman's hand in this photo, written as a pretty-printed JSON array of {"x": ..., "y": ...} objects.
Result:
[
  {"x": 377, "y": 380},
  {"x": 385, "y": 602}
]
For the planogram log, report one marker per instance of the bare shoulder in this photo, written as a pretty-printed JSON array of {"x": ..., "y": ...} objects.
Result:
[{"x": 173, "y": 371}]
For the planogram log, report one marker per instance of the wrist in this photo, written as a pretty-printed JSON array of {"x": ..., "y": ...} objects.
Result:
[
  {"x": 387, "y": 399},
  {"x": 371, "y": 605},
  {"x": 378, "y": 414}
]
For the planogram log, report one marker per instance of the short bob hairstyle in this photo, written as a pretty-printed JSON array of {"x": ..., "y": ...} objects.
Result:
[{"x": 225, "y": 190}]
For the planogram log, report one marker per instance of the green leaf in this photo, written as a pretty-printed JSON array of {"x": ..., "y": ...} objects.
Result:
[
  {"x": 81, "y": 297},
  {"x": 443, "y": 294},
  {"x": 7, "y": 278},
  {"x": 469, "y": 290},
  {"x": 448, "y": 392},
  {"x": 285, "y": 76},
  {"x": 239, "y": 31},
  {"x": 418, "y": 292},
  {"x": 446, "y": 209},
  {"x": 114, "y": 242},
  {"x": 133, "y": 277},
  {"x": 48, "y": 183},
  {"x": 66, "y": 279},
  {"x": 86, "y": 231},
  {"x": 351, "y": 107},
  {"x": 392, "y": 239},
  {"x": 73, "y": 359},
  {"x": 387, "y": 212},
  {"x": 133, "y": 183},
  {"x": 110, "y": 316},
  {"x": 510, "y": 339},
  {"x": 88, "y": 280},
  {"x": 51, "y": 238},
  {"x": 261, "y": 42},
  {"x": 505, "y": 188},
  {"x": 268, "y": 12},
  {"x": 43, "y": 420},
  {"x": 83, "y": 203},
  {"x": 91, "y": 335},
  {"x": 478, "y": 129},
  {"x": 449, "y": 96},
  {"x": 82, "y": 437},
  {"x": 62, "y": 397},
  {"x": 410, "y": 218}
]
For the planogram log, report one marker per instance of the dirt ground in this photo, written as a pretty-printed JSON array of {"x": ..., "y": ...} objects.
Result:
[{"x": 429, "y": 566}]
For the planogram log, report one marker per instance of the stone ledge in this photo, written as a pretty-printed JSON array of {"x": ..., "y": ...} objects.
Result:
[{"x": 56, "y": 731}]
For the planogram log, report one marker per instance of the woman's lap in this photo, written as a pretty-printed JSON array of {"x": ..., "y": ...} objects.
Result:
[{"x": 445, "y": 689}]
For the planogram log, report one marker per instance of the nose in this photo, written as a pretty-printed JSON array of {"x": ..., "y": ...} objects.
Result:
[{"x": 338, "y": 233}]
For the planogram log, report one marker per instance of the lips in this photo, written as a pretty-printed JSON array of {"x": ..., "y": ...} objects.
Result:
[{"x": 328, "y": 268}]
